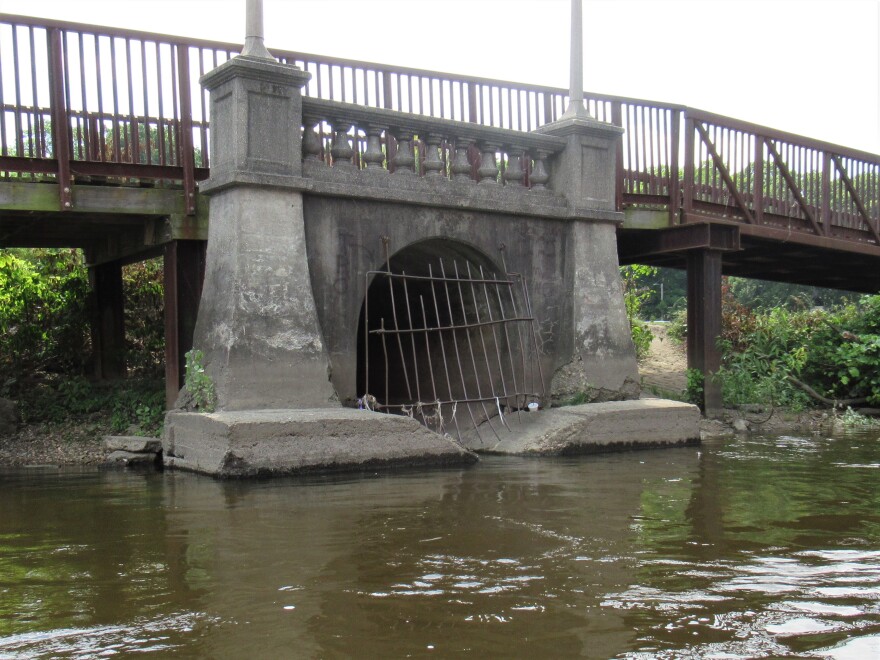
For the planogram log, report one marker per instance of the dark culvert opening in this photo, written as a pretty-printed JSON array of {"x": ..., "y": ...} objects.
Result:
[{"x": 445, "y": 337}]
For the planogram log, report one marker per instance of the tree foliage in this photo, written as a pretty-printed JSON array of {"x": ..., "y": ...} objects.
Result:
[
  {"x": 45, "y": 340},
  {"x": 798, "y": 357},
  {"x": 634, "y": 295}
]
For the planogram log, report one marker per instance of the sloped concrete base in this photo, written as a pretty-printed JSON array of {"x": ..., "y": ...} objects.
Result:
[
  {"x": 594, "y": 427},
  {"x": 256, "y": 443}
]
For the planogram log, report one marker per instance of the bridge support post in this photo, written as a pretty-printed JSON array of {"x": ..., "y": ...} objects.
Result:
[
  {"x": 108, "y": 321},
  {"x": 704, "y": 322},
  {"x": 603, "y": 360},
  {"x": 184, "y": 271},
  {"x": 257, "y": 323}
]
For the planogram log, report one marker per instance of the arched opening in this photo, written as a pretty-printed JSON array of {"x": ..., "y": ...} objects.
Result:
[{"x": 446, "y": 336}]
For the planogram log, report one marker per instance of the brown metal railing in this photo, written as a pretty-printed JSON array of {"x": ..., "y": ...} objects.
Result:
[
  {"x": 100, "y": 102},
  {"x": 768, "y": 178}
]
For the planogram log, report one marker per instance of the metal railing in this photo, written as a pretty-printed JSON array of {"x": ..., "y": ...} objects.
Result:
[{"x": 100, "y": 102}]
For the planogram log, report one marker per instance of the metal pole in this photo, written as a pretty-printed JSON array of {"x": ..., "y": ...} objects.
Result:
[
  {"x": 576, "y": 88},
  {"x": 253, "y": 41}
]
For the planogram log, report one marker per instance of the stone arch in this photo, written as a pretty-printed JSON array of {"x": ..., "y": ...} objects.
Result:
[{"x": 471, "y": 358}]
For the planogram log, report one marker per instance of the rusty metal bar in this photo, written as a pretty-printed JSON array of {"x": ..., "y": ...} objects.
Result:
[
  {"x": 60, "y": 121},
  {"x": 847, "y": 182},
  {"x": 394, "y": 317},
  {"x": 442, "y": 349},
  {"x": 780, "y": 165},
  {"x": 495, "y": 340},
  {"x": 482, "y": 336},
  {"x": 186, "y": 138},
  {"x": 722, "y": 169},
  {"x": 464, "y": 388},
  {"x": 471, "y": 349}
]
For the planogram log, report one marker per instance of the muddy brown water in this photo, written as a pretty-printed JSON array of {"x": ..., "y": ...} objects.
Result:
[{"x": 762, "y": 546}]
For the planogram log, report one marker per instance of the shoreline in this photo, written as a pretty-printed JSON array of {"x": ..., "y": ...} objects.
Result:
[
  {"x": 81, "y": 442},
  {"x": 55, "y": 445}
]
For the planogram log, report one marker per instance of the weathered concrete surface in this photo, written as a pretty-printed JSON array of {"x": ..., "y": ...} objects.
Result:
[
  {"x": 133, "y": 459},
  {"x": 603, "y": 365},
  {"x": 595, "y": 427},
  {"x": 274, "y": 442},
  {"x": 257, "y": 325},
  {"x": 132, "y": 443},
  {"x": 584, "y": 172}
]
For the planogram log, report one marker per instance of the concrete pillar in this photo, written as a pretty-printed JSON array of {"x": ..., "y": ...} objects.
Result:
[
  {"x": 184, "y": 272},
  {"x": 257, "y": 323},
  {"x": 108, "y": 321},
  {"x": 704, "y": 322},
  {"x": 603, "y": 360}
]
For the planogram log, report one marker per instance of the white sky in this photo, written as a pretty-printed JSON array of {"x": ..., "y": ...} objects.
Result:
[{"x": 810, "y": 67}]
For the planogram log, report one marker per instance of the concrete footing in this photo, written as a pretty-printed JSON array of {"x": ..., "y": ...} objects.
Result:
[
  {"x": 256, "y": 443},
  {"x": 594, "y": 427}
]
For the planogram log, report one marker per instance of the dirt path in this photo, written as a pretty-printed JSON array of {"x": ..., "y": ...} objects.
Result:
[{"x": 666, "y": 365}]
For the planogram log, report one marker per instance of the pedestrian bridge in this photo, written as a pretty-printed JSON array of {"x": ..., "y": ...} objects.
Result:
[{"x": 105, "y": 136}]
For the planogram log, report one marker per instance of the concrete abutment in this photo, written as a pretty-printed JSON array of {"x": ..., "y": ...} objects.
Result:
[{"x": 280, "y": 322}]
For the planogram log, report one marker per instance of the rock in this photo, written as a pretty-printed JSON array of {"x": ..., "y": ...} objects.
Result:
[
  {"x": 9, "y": 419},
  {"x": 132, "y": 443},
  {"x": 741, "y": 426},
  {"x": 133, "y": 459}
]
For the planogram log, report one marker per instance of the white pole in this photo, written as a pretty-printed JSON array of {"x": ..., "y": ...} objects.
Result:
[
  {"x": 253, "y": 41},
  {"x": 576, "y": 88}
]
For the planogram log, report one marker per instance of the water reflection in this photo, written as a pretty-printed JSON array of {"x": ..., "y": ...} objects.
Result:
[{"x": 749, "y": 547}]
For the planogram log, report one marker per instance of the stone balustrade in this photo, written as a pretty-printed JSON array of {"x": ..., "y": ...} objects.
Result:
[{"x": 351, "y": 137}]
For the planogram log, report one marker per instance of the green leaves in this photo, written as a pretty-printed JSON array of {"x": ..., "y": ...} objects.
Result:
[
  {"x": 836, "y": 352},
  {"x": 198, "y": 383}
]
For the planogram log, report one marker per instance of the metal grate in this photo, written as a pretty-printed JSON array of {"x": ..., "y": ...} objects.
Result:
[{"x": 450, "y": 342}]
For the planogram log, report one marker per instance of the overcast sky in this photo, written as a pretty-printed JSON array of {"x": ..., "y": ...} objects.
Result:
[{"x": 810, "y": 67}]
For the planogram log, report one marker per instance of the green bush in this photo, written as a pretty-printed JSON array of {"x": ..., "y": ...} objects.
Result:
[
  {"x": 43, "y": 313},
  {"x": 836, "y": 353},
  {"x": 45, "y": 341},
  {"x": 634, "y": 296}
]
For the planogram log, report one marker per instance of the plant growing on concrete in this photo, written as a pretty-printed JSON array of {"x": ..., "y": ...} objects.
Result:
[
  {"x": 198, "y": 383},
  {"x": 694, "y": 391}
]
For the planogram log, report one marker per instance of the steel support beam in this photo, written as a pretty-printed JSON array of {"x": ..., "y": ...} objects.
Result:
[
  {"x": 704, "y": 322},
  {"x": 108, "y": 320},
  {"x": 184, "y": 273},
  {"x": 636, "y": 244}
]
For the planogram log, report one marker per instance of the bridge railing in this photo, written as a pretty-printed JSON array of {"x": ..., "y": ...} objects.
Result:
[
  {"x": 763, "y": 177},
  {"x": 126, "y": 106}
]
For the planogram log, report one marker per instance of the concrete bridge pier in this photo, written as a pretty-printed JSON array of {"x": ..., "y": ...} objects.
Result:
[
  {"x": 603, "y": 363},
  {"x": 257, "y": 328}
]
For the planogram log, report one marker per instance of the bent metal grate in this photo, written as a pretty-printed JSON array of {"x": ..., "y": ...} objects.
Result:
[{"x": 450, "y": 345}]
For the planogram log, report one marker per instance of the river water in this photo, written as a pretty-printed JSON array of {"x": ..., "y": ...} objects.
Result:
[{"x": 744, "y": 547}]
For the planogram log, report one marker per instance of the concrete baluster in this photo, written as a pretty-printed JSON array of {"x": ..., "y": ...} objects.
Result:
[
  {"x": 311, "y": 143},
  {"x": 374, "y": 156},
  {"x": 433, "y": 164},
  {"x": 341, "y": 149},
  {"x": 404, "y": 160},
  {"x": 461, "y": 167},
  {"x": 539, "y": 176},
  {"x": 488, "y": 171},
  {"x": 513, "y": 175}
]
